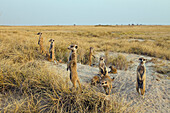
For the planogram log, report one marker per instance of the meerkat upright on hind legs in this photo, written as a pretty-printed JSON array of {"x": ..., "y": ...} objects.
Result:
[
  {"x": 40, "y": 42},
  {"x": 90, "y": 55},
  {"x": 141, "y": 77},
  {"x": 102, "y": 67},
  {"x": 72, "y": 65},
  {"x": 51, "y": 50}
]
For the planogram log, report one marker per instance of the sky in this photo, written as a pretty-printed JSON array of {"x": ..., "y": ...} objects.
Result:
[{"x": 84, "y": 12}]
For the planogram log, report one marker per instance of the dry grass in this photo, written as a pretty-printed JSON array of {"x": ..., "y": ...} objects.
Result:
[
  {"x": 120, "y": 62},
  {"x": 161, "y": 67},
  {"x": 27, "y": 85}
]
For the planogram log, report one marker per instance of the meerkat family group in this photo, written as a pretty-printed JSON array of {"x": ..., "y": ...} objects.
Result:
[
  {"x": 106, "y": 82},
  {"x": 50, "y": 54},
  {"x": 103, "y": 78}
]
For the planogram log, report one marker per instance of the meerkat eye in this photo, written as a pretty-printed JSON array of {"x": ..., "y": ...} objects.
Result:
[
  {"x": 71, "y": 46},
  {"x": 102, "y": 83},
  {"x": 76, "y": 46},
  {"x": 105, "y": 82}
]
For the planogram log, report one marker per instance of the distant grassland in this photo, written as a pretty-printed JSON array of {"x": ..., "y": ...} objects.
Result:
[{"x": 145, "y": 40}]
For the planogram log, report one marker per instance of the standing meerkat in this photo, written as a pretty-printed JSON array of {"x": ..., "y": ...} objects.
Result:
[
  {"x": 141, "y": 76},
  {"x": 106, "y": 83},
  {"x": 51, "y": 50},
  {"x": 72, "y": 65},
  {"x": 102, "y": 67},
  {"x": 40, "y": 42},
  {"x": 91, "y": 53},
  {"x": 69, "y": 58}
]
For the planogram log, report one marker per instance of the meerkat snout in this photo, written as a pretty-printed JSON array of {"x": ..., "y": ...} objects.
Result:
[
  {"x": 104, "y": 83},
  {"x": 51, "y": 40},
  {"x": 73, "y": 47},
  {"x": 101, "y": 58},
  {"x": 142, "y": 60}
]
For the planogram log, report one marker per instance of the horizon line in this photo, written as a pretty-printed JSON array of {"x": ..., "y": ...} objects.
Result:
[{"x": 85, "y": 24}]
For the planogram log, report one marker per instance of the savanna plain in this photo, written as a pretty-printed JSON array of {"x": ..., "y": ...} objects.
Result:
[{"x": 30, "y": 83}]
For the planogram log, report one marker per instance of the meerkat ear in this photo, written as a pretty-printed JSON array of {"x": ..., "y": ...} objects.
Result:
[{"x": 76, "y": 46}]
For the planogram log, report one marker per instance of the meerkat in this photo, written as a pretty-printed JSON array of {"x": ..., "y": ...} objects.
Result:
[
  {"x": 90, "y": 55},
  {"x": 141, "y": 76},
  {"x": 95, "y": 80},
  {"x": 72, "y": 65},
  {"x": 102, "y": 67},
  {"x": 69, "y": 58},
  {"x": 51, "y": 50},
  {"x": 112, "y": 70},
  {"x": 106, "y": 83},
  {"x": 40, "y": 42}
]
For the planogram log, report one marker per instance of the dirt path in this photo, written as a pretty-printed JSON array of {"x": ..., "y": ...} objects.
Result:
[{"x": 157, "y": 95}]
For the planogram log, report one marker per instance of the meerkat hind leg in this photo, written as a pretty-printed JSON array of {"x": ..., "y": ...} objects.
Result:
[
  {"x": 79, "y": 84},
  {"x": 137, "y": 88},
  {"x": 74, "y": 85}
]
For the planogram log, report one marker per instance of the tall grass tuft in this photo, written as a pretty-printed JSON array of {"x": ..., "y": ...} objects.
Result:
[{"x": 120, "y": 62}]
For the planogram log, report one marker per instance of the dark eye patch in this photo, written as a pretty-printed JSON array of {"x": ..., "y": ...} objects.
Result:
[
  {"x": 71, "y": 46},
  {"x": 105, "y": 82}
]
